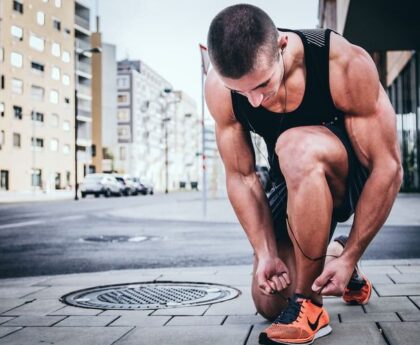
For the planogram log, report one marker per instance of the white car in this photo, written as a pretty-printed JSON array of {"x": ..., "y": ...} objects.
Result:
[{"x": 98, "y": 184}]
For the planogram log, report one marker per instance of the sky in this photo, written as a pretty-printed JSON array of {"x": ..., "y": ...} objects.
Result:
[{"x": 165, "y": 34}]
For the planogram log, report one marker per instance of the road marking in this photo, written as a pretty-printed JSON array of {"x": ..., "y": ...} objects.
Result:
[
  {"x": 75, "y": 217},
  {"x": 18, "y": 225}
]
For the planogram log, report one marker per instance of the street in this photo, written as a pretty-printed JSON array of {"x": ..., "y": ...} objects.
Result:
[{"x": 58, "y": 237}]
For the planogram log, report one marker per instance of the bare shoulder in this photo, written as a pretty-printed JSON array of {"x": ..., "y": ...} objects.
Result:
[
  {"x": 218, "y": 99},
  {"x": 354, "y": 80}
]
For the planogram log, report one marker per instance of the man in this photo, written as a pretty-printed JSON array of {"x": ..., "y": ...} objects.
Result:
[{"x": 332, "y": 147}]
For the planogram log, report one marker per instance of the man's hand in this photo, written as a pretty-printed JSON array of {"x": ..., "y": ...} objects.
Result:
[
  {"x": 334, "y": 278},
  {"x": 272, "y": 275}
]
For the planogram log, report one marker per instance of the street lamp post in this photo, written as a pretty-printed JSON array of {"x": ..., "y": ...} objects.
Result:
[
  {"x": 76, "y": 82},
  {"x": 165, "y": 120}
]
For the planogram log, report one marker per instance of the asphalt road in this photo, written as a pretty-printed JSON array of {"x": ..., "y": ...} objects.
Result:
[{"x": 70, "y": 237}]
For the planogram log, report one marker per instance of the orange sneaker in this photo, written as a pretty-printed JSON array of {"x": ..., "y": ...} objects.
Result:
[
  {"x": 359, "y": 288},
  {"x": 300, "y": 323}
]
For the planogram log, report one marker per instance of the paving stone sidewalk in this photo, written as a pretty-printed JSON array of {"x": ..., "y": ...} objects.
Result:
[{"x": 31, "y": 313}]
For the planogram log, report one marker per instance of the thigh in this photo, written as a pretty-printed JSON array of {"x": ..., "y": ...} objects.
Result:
[{"x": 301, "y": 148}]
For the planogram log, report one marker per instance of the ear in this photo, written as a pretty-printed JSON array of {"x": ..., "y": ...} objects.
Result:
[{"x": 282, "y": 42}]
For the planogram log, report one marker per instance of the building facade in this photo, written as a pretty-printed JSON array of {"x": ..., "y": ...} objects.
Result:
[
  {"x": 37, "y": 95},
  {"x": 83, "y": 85},
  {"x": 395, "y": 51},
  {"x": 104, "y": 105},
  {"x": 140, "y": 117}
]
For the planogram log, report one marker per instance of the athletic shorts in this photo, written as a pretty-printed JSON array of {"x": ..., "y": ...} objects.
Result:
[{"x": 357, "y": 177}]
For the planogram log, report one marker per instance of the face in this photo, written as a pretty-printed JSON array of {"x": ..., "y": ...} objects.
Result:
[{"x": 261, "y": 85}]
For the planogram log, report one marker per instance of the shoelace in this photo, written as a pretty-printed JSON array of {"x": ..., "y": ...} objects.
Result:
[{"x": 291, "y": 312}]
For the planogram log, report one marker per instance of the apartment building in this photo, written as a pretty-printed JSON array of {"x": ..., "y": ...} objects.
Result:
[
  {"x": 184, "y": 152},
  {"x": 141, "y": 126},
  {"x": 83, "y": 85},
  {"x": 36, "y": 96},
  {"x": 104, "y": 105}
]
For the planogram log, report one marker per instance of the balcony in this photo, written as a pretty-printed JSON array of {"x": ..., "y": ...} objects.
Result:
[
  {"x": 84, "y": 90},
  {"x": 82, "y": 45},
  {"x": 84, "y": 67},
  {"x": 82, "y": 22},
  {"x": 84, "y": 113}
]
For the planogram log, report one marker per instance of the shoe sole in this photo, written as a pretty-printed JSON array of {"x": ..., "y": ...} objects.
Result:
[{"x": 322, "y": 332}]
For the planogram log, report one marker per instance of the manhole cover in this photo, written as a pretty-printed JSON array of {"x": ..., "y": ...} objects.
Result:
[
  {"x": 150, "y": 295},
  {"x": 117, "y": 238}
]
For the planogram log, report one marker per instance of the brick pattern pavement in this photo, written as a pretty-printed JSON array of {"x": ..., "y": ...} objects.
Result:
[{"x": 30, "y": 312}]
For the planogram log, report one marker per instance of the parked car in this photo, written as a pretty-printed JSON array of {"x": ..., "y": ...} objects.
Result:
[
  {"x": 98, "y": 184},
  {"x": 148, "y": 185},
  {"x": 141, "y": 188},
  {"x": 264, "y": 176},
  {"x": 126, "y": 185}
]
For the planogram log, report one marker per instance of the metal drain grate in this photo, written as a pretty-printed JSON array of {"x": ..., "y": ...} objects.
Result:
[{"x": 150, "y": 295}]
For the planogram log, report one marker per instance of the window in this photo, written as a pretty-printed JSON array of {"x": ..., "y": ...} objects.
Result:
[
  {"x": 2, "y": 138},
  {"x": 122, "y": 153},
  {"x": 57, "y": 180},
  {"x": 54, "y": 145},
  {"x": 17, "y": 112},
  {"x": 124, "y": 132},
  {"x": 37, "y": 92},
  {"x": 36, "y": 42},
  {"x": 123, "y": 82},
  {"x": 16, "y": 140},
  {"x": 57, "y": 3},
  {"x": 37, "y": 67},
  {"x": 36, "y": 178},
  {"x": 16, "y": 32},
  {"x": 66, "y": 56},
  {"x": 54, "y": 120},
  {"x": 40, "y": 18},
  {"x": 57, "y": 24},
  {"x": 66, "y": 79},
  {"x": 67, "y": 100},
  {"x": 17, "y": 6},
  {"x": 54, "y": 96},
  {"x": 66, "y": 149},
  {"x": 1, "y": 109},
  {"x": 55, "y": 49},
  {"x": 37, "y": 116},
  {"x": 55, "y": 73},
  {"x": 123, "y": 98},
  {"x": 37, "y": 142},
  {"x": 66, "y": 126},
  {"x": 2, "y": 82},
  {"x": 123, "y": 115},
  {"x": 16, "y": 59},
  {"x": 4, "y": 180},
  {"x": 17, "y": 86}
]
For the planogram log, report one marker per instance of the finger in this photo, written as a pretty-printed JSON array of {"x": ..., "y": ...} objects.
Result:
[
  {"x": 277, "y": 282},
  {"x": 265, "y": 289},
  {"x": 285, "y": 275},
  {"x": 330, "y": 290},
  {"x": 321, "y": 281},
  {"x": 272, "y": 286},
  {"x": 283, "y": 281}
]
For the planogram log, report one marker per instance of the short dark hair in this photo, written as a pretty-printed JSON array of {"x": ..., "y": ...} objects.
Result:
[{"x": 237, "y": 36}]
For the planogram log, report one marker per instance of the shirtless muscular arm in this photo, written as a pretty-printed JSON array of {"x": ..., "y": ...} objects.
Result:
[{"x": 244, "y": 189}]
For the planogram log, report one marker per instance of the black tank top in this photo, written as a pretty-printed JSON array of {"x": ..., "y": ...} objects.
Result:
[{"x": 316, "y": 108}]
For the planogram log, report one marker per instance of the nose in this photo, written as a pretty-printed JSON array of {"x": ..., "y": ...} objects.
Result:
[{"x": 255, "y": 98}]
